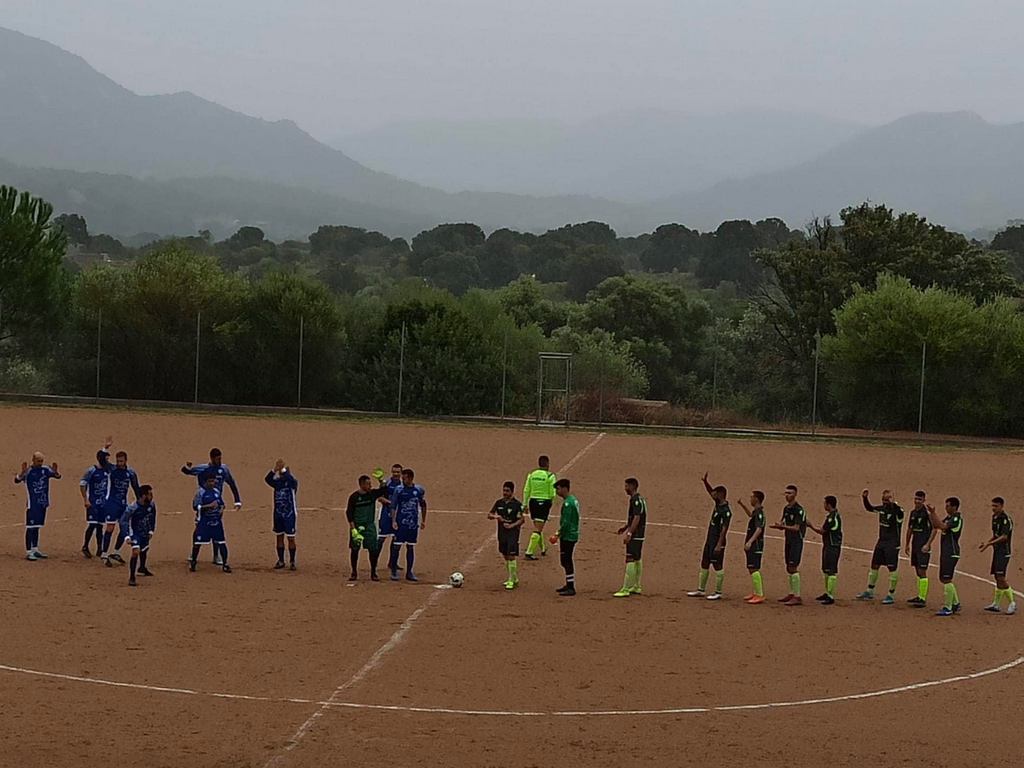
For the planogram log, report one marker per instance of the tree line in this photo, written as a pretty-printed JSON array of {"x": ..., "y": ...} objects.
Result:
[{"x": 734, "y": 318}]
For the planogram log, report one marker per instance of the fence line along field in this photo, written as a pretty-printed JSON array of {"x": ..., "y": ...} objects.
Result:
[{"x": 265, "y": 667}]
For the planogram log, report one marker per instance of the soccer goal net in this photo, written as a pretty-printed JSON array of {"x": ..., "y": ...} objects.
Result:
[{"x": 554, "y": 387}]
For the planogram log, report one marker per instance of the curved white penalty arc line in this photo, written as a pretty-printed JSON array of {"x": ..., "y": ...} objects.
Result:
[{"x": 329, "y": 704}]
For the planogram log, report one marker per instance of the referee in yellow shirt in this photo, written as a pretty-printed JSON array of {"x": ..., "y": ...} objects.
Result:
[{"x": 538, "y": 493}]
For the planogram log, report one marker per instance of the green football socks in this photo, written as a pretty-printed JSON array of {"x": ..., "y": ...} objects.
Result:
[
  {"x": 956, "y": 595},
  {"x": 702, "y": 582},
  {"x": 513, "y": 570},
  {"x": 637, "y": 585},
  {"x": 922, "y": 589},
  {"x": 830, "y": 585},
  {"x": 794, "y": 584},
  {"x": 894, "y": 579},
  {"x": 631, "y": 577},
  {"x": 949, "y": 591},
  {"x": 758, "y": 583},
  {"x": 531, "y": 548},
  {"x": 872, "y": 579},
  {"x": 719, "y": 580}
]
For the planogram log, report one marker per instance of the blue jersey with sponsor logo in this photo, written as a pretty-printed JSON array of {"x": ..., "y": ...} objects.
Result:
[
  {"x": 220, "y": 471},
  {"x": 121, "y": 480},
  {"x": 37, "y": 485},
  {"x": 141, "y": 518},
  {"x": 96, "y": 481},
  {"x": 407, "y": 500},
  {"x": 209, "y": 505},
  {"x": 285, "y": 485}
]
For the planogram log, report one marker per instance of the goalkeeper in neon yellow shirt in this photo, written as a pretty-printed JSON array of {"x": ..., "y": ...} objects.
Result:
[{"x": 538, "y": 493}]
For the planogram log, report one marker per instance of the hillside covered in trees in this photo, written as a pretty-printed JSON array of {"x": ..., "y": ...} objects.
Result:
[{"x": 729, "y": 321}]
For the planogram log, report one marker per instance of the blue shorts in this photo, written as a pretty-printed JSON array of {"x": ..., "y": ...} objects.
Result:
[
  {"x": 209, "y": 531},
  {"x": 384, "y": 527},
  {"x": 139, "y": 540},
  {"x": 285, "y": 524},
  {"x": 114, "y": 513},
  {"x": 35, "y": 517},
  {"x": 96, "y": 514},
  {"x": 405, "y": 535}
]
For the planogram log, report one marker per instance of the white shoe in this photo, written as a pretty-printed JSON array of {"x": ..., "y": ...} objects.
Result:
[
  {"x": 715, "y": 596},
  {"x": 1011, "y": 609},
  {"x": 40, "y": 555},
  {"x": 695, "y": 593},
  {"x": 31, "y": 555},
  {"x": 993, "y": 608}
]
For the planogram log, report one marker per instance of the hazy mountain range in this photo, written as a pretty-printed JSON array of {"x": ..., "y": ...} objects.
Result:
[
  {"x": 173, "y": 164},
  {"x": 632, "y": 156}
]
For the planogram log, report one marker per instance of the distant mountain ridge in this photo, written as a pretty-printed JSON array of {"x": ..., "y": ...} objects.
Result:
[
  {"x": 955, "y": 168},
  {"x": 61, "y": 113},
  {"x": 633, "y": 156}
]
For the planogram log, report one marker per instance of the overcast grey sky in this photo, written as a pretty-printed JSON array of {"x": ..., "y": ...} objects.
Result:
[{"x": 337, "y": 66}]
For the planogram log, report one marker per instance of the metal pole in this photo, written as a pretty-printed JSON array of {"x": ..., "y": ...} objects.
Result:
[
  {"x": 401, "y": 369},
  {"x": 814, "y": 403},
  {"x": 540, "y": 388},
  {"x": 298, "y": 396},
  {"x": 600, "y": 396},
  {"x": 504, "y": 374},
  {"x": 568, "y": 388},
  {"x": 99, "y": 347},
  {"x": 199, "y": 318},
  {"x": 920, "y": 402}
]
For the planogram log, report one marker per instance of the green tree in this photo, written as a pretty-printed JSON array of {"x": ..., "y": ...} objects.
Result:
[
  {"x": 526, "y": 302},
  {"x": 455, "y": 272},
  {"x": 728, "y": 256},
  {"x": 445, "y": 238},
  {"x": 74, "y": 227},
  {"x": 672, "y": 247},
  {"x": 664, "y": 326},
  {"x": 974, "y": 356},
  {"x": 33, "y": 294},
  {"x": 588, "y": 267}
]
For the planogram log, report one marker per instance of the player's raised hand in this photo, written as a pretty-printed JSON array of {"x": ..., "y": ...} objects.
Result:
[
  {"x": 24, "y": 468},
  {"x": 54, "y": 466},
  {"x": 109, "y": 442},
  {"x": 188, "y": 465},
  {"x": 865, "y": 493},
  {"x": 278, "y": 466}
]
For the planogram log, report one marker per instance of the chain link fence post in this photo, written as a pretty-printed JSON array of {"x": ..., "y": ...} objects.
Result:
[
  {"x": 401, "y": 369},
  {"x": 298, "y": 395},
  {"x": 195, "y": 391},
  {"x": 99, "y": 348}
]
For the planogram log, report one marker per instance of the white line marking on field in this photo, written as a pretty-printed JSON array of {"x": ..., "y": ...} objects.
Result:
[
  {"x": 377, "y": 658},
  {"x": 335, "y": 704}
]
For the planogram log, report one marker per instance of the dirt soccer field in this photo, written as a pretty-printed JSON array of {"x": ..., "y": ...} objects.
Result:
[{"x": 275, "y": 668}]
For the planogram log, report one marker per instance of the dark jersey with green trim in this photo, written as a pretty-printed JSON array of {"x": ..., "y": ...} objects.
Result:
[
  {"x": 833, "y": 528},
  {"x": 920, "y": 526},
  {"x": 721, "y": 516},
  {"x": 509, "y": 511},
  {"x": 793, "y": 514},
  {"x": 890, "y": 520},
  {"x": 950, "y": 543},
  {"x": 756, "y": 521},
  {"x": 1002, "y": 525},
  {"x": 362, "y": 507},
  {"x": 638, "y": 508}
]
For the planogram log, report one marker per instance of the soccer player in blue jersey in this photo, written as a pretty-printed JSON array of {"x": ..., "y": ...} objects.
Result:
[
  {"x": 286, "y": 510},
  {"x": 209, "y": 507},
  {"x": 141, "y": 521},
  {"x": 122, "y": 479},
  {"x": 384, "y": 529},
  {"x": 223, "y": 475},
  {"x": 95, "y": 489},
  {"x": 408, "y": 515},
  {"x": 37, "y": 486}
]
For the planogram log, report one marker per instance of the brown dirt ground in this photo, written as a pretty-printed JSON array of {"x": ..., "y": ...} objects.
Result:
[{"x": 302, "y": 635}]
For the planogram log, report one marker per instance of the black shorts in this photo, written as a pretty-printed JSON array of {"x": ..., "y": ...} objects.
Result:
[
  {"x": 715, "y": 559},
  {"x": 540, "y": 509},
  {"x": 1000, "y": 561},
  {"x": 830, "y": 560},
  {"x": 886, "y": 553},
  {"x": 635, "y": 549},
  {"x": 754, "y": 559},
  {"x": 794, "y": 551},
  {"x": 947, "y": 567},
  {"x": 508, "y": 542},
  {"x": 919, "y": 559}
]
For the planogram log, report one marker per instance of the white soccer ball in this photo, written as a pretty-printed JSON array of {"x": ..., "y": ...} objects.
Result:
[{"x": 456, "y": 579}]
